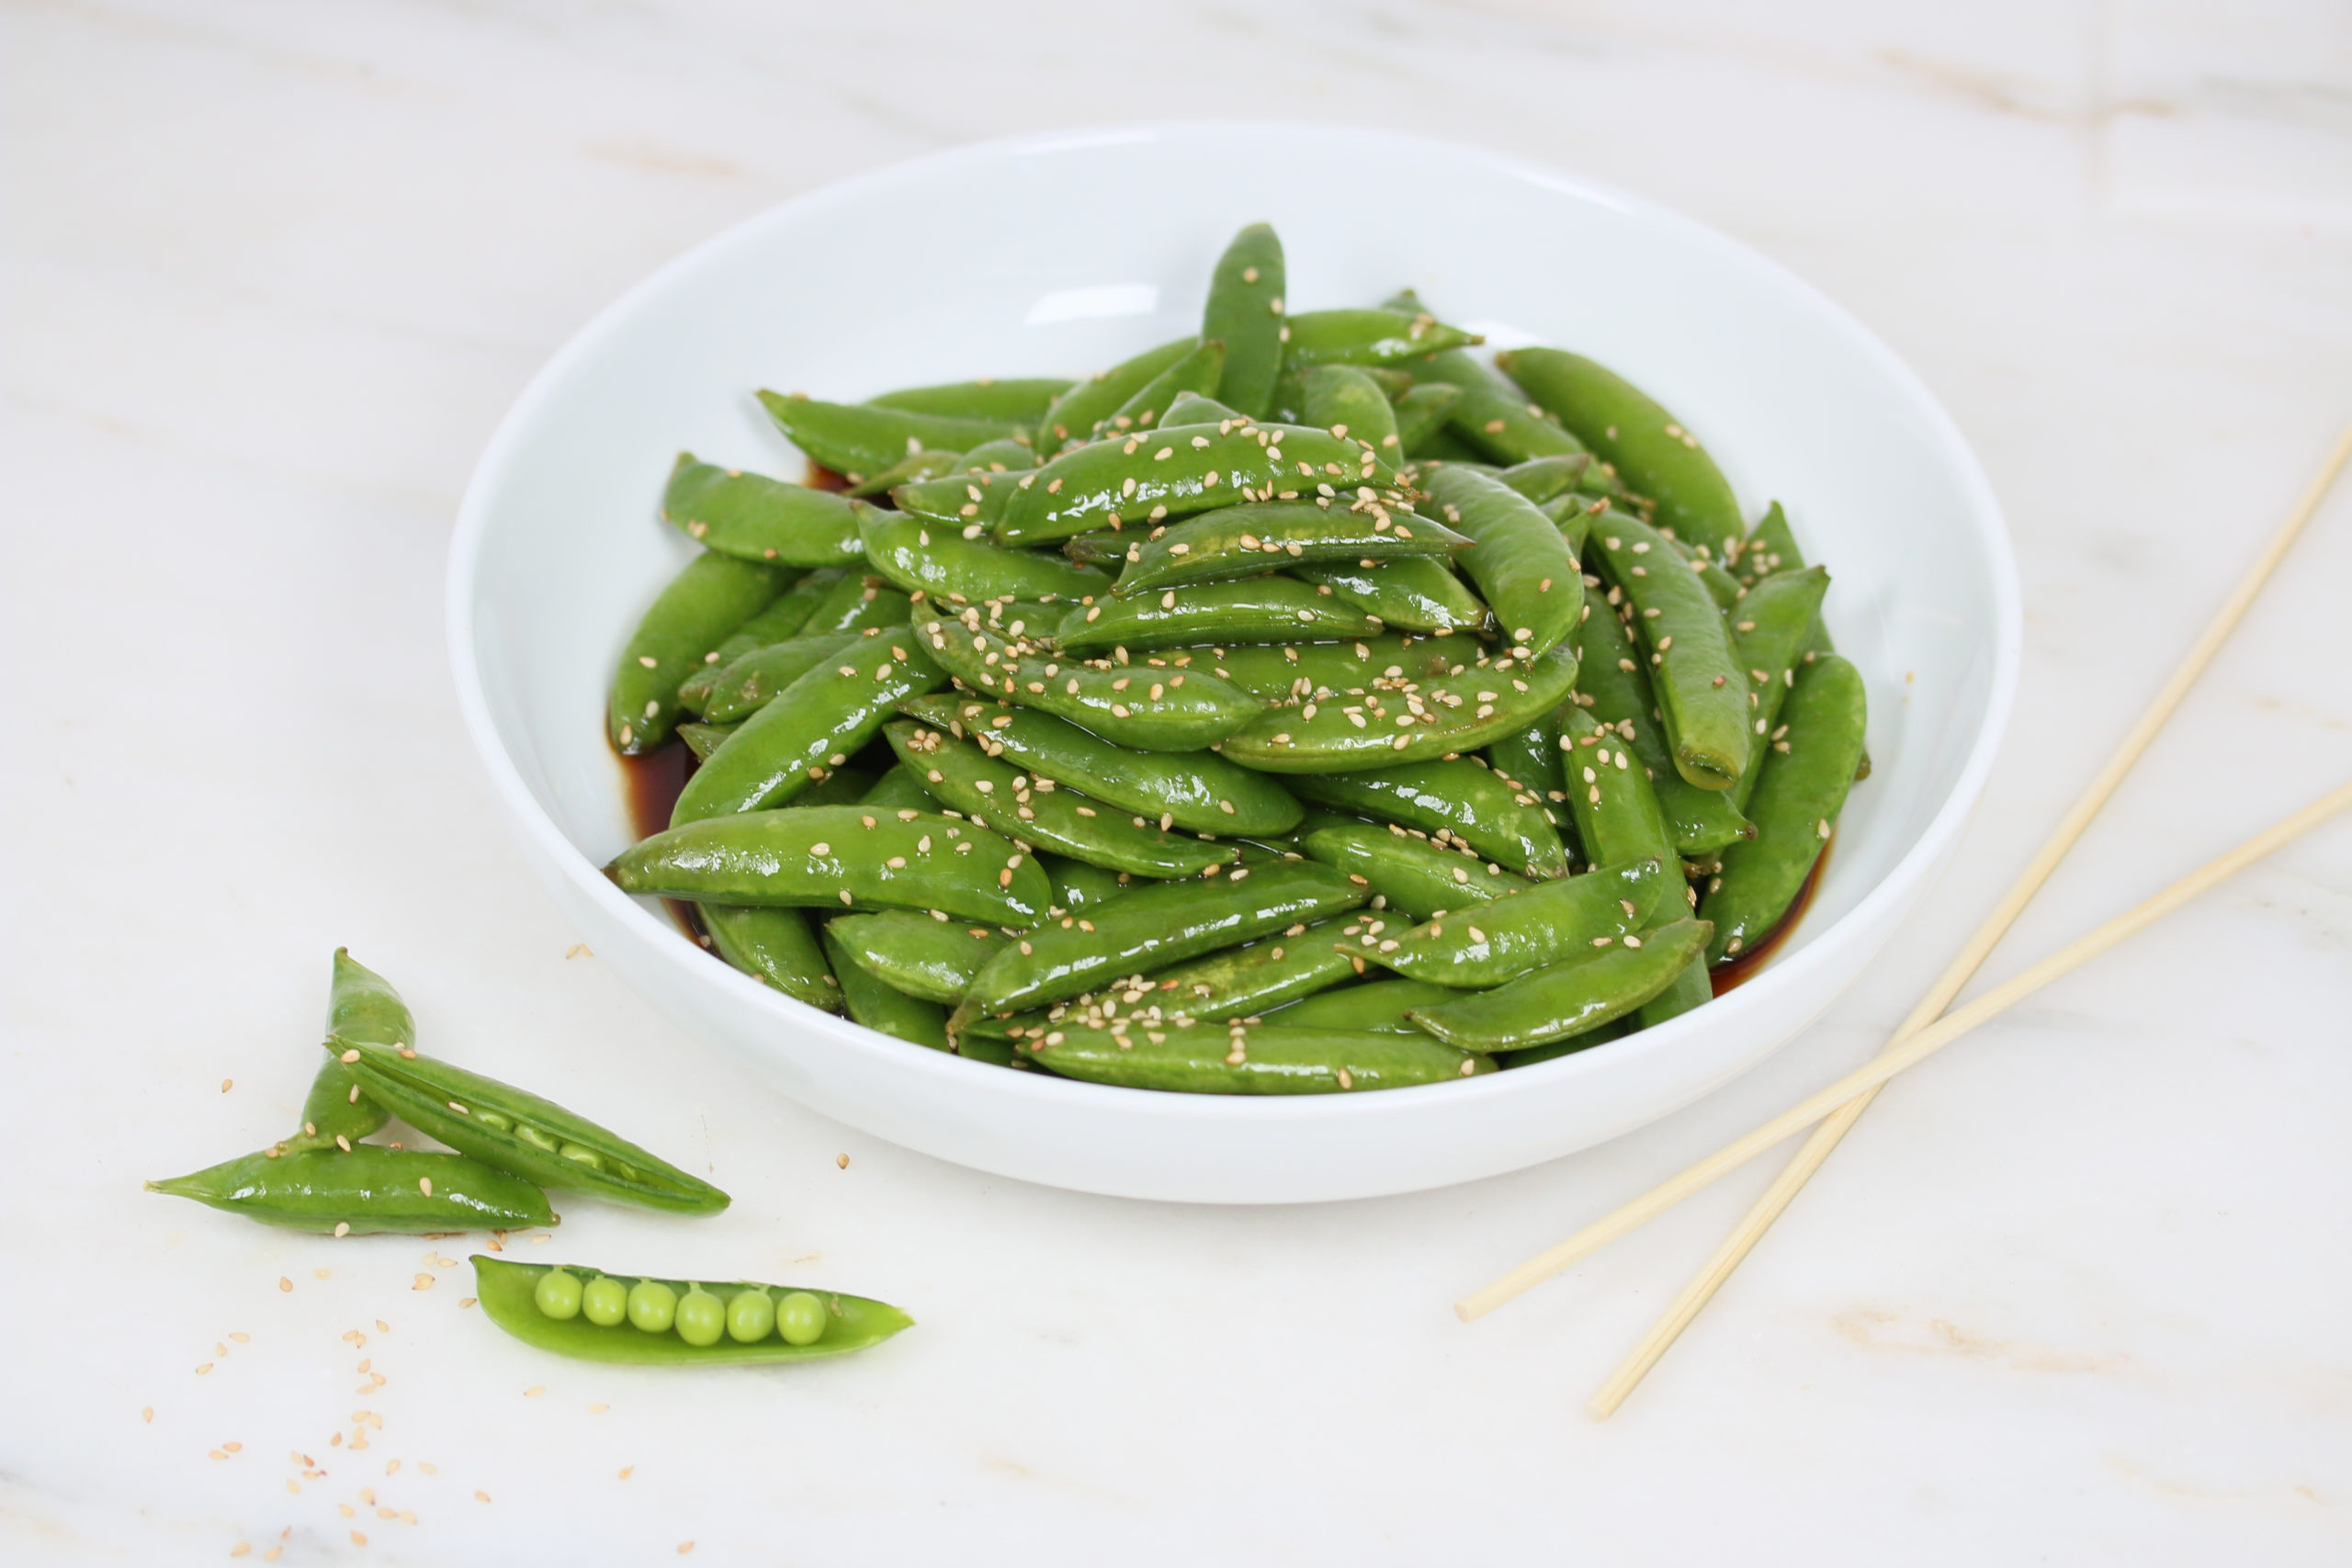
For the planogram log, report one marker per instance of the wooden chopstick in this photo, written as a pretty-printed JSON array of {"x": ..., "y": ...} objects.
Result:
[
  {"x": 1896, "y": 1058},
  {"x": 1958, "y": 973},
  {"x": 1759, "y": 1219}
]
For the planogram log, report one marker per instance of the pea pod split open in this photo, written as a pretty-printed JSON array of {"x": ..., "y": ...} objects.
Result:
[{"x": 640, "y": 1321}]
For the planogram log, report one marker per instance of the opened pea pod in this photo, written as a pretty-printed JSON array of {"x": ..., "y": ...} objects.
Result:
[{"x": 638, "y": 1320}]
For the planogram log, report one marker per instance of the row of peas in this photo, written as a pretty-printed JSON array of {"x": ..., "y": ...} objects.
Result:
[{"x": 699, "y": 1317}]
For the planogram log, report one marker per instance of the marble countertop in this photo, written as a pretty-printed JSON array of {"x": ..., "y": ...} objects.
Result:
[{"x": 2072, "y": 1293}]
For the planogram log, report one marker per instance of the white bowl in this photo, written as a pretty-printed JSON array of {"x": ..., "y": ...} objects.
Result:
[{"x": 1062, "y": 254}]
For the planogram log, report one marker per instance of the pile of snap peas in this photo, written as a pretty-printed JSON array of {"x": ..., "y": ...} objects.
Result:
[{"x": 1301, "y": 706}]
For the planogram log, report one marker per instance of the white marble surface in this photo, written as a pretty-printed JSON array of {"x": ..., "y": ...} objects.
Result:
[{"x": 2073, "y": 1293}]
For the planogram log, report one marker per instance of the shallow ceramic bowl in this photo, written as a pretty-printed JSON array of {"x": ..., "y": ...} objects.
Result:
[{"x": 1064, "y": 253}]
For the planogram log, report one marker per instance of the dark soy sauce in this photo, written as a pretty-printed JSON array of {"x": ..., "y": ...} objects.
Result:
[
  {"x": 650, "y": 784},
  {"x": 1734, "y": 973}
]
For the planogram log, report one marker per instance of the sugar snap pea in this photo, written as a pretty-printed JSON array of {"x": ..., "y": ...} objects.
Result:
[
  {"x": 1408, "y": 872},
  {"x": 930, "y": 960},
  {"x": 1150, "y": 711},
  {"x": 702, "y": 605},
  {"x": 1239, "y": 982},
  {"x": 1546, "y": 479},
  {"x": 1485, "y": 945},
  {"x": 1815, "y": 749},
  {"x": 1317, "y": 670},
  {"x": 1422, "y": 412},
  {"x": 1366, "y": 337},
  {"x": 1152, "y": 477},
  {"x": 1216, "y": 1058},
  {"x": 898, "y": 786},
  {"x": 1079, "y": 887},
  {"x": 1262, "y": 536},
  {"x": 1768, "y": 637},
  {"x": 1199, "y": 792},
  {"x": 517, "y": 1132},
  {"x": 1689, "y": 989},
  {"x": 1150, "y": 927},
  {"x": 1406, "y": 721},
  {"x": 782, "y": 620},
  {"x": 926, "y": 464},
  {"x": 818, "y": 856},
  {"x": 808, "y": 1324},
  {"x": 756, "y": 678},
  {"x": 1528, "y": 760},
  {"x": 1649, "y": 450},
  {"x": 924, "y": 557},
  {"x": 1690, "y": 667},
  {"x": 1245, "y": 313},
  {"x": 1346, "y": 401},
  {"x": 1191, "y": 407},
  {"x": 1417, "y": 593},
  {"x": 1253, "y": 609},
  {"x": 1197, "y": 372},
  {"x": 1073, "y": 416},
  {"x": 1005, "y": 455},
  {"x": 856, "y": 602},
  {"x": 1458, "y": 801},
  {"x": 964, "y": 778},
  {"x": 1600, "y": 1035},
  {"x": 702, "y": 739},
  {"x": 1615, "y": 690},
  {"x": 369, "y": 1190},
  {"x": 1521, "y": 565},
  {"x": 1005, "y": 399},
  {"x": 813, "y": 725},
  {"x": 337, "y": 1114},
  {"x": 1617, "y": 813},
  {"x": 776, "y": 945},
  {"x": 1772, "y": 547},
  {"x": 969, "y": 503},
  {"x": 1493, "y": 417},
  {"x": 1377, "y": 1004},
  {"x": 1570, "y": 997},
  {"x": 858, "y": 439},
  {"x": 880, "y": 1006},
  {"x": 758, "y": 519}
]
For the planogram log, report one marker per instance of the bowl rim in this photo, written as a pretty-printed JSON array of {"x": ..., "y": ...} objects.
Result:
[{"x": 1784, "y": 974}]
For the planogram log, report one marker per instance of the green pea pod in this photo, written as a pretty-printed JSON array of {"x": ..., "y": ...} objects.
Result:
[
  {"x": 880, "y": 1006},
  {"x": 1245, "y": 313},
  {"x": 336, "y": 1113},
  {"x": 1256, "y": 609},
  {"x": 1408, "y": 722},
  {"x": 1198, "y": 791},
  {"x": 1239, "y": 982},
  {"x": 1615, "y": 1029},
  {"x": 1005, "y": 455},
  {"x": 1406, "y": 872},
  {"x": 1773, "y": 548},
  {"x": 910, "y": 470},
  {"x": 1262, "y": 536},
  {"x": 969, "y": 504},
  {"x": 855, "y": 602},
  {"x": 1492, "y": 418},
  {"x": 1177, "y": 470},
  {"x": 1318, "y": 670},
  {"x": 898, "y": 788},
  {"x": 1618, "y": 817},
  {"x": 1422, "y": 413},
  {"x": 370, "y": 1190},
  {"x": 1346, "y": 401},
  {"x": 514, "y": 1130},
  {"x": 930, "y": 960},
  {"x": 1814, "y": 751},
  {"x": 923, "y": 556},
  {"x": 1689, "y": 989},
  {"x": 1546, "y": 479},
  {"x": 1767, "y": 637},
  {"x": 758, "y": 519},
  {"x": 1523, "y": 567},
  {"x": 1007, "y": 399},
  {"x": 1488, "y": 944},
  {"x": 1073, "y": 416},
  {"x": 759, "y": 677},
  {"x": 702, "y": 605},
  {"x": 1611, "y": 678},
  {"x": 813, "y": 725},
  {"x": 1197, "y": 373},
  {"x": 1647, "y": 447},
  {"x": 1150, "y": 927},
  {"x": 964, "y": 778},
  {"x": 1459, "y": 800},
  {"x": 1570, "y": 997},
  {"x": 774, "y": 945},
  {"x": 1721, "y": 585},
  {"x": 1377, "y": 1004},
  {"x": 858, "y": 439},
  {"x": 1078, "y": 888},
  {"x": 1216, "y": 1058},
  {"x": 1181, "y": 711},
  {"x": 514, "y": 1297},
  {"x": 1366, "y": 337},
  {"x": 840, "y": 787},
  {"x": 1191, "y": 407},
  {"x": 1691, "y": 666},
  {"x": 702, "y": 739},
  {"x": 1528, "y": 760},
  {"x": 1415, "y": 593},
  {"x": 853, "y": 856}
]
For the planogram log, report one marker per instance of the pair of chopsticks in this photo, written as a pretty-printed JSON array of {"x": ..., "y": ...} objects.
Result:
[{"x": 1929, "y": 1029}]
